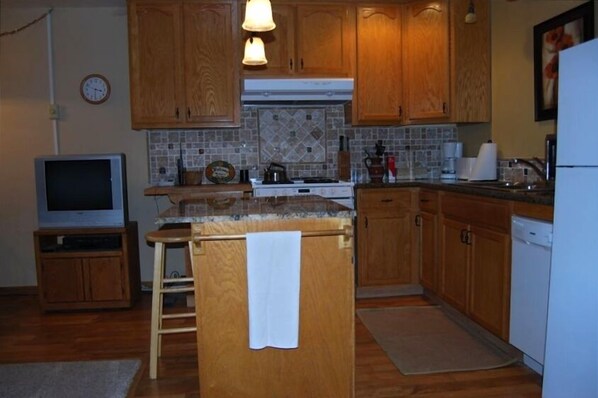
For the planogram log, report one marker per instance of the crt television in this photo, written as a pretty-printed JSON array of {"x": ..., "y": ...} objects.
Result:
[{"x": 81, "y": 191}]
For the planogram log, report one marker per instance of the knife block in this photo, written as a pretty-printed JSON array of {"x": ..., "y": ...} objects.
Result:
[{"x": 344, "y": 165}]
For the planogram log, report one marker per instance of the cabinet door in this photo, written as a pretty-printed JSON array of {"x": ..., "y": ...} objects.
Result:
[
  {"x": 378, "y": 95},
  {"x": 105, "y": 279},
  {"x": 156, "y": 72},
  {"x": 62, "y": 280},
  {"x": 454, "y": 263},
  {"x": 427, "y": 68},
  {"x": 211, "y": 64},
  {"x": 279, "y": 43},
  {"x": 489, "y": 273},
  {"x": 387, "y": 254},
  {"x": 323, "y": 39},
  {"x": 428, "y": 251}
]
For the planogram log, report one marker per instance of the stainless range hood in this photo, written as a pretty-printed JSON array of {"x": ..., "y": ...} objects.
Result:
[{"x": 256, "y": 90}]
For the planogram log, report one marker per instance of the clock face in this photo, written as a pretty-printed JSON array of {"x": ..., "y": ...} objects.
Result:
[{"x": 95, "y": 89}]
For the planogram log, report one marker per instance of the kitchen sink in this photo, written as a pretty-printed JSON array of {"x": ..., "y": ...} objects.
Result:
[{"x": 507, "y": 186}]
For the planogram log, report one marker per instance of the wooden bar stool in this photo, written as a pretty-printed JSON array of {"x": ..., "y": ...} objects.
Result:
[{"x": 161, "y": 286}]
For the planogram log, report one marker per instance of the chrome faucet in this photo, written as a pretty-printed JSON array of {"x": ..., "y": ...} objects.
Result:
[{"x": 540, "y": 170}]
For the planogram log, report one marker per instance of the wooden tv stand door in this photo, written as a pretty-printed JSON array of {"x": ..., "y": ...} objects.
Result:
[{"x": 87, "y": 268}]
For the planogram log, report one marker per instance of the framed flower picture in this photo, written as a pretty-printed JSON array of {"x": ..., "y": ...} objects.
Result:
[{"x": 559, "y": 33}]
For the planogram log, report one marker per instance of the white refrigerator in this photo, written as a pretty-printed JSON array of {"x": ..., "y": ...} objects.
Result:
[{"x": 571, "y": 356}]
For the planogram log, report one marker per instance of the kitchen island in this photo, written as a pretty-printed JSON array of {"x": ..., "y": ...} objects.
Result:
[{"x": 323, "y": 363}]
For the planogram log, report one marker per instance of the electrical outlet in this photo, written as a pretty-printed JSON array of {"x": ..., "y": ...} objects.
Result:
[{"x": 53, "y": 112}]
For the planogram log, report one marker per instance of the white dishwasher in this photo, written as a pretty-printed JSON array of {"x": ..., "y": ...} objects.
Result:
[{"x": 530, "y": 276}]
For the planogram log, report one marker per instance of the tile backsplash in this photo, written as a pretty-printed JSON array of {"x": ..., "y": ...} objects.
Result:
[{"x": 304, "y": 139}]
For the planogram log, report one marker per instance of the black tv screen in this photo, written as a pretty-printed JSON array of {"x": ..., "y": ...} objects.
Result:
[
  {"x": 81, "y": 191},
  {"x": 79, "y": 185}
]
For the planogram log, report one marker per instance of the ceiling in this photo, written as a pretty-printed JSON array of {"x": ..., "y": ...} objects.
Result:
[{"x": 61, "y": 3}]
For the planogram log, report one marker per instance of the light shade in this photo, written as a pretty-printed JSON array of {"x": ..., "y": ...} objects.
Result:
[
  {"x": 471, "y": 17},
  {"x": 258, "y": 16},
  {"x": 255, "y": 53}
]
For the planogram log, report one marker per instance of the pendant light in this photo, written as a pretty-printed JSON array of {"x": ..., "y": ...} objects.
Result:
[
  {"x": 258, "y": 16},
  {"x": 470, "y": 17},
  {"x": 255, "y": 53}
]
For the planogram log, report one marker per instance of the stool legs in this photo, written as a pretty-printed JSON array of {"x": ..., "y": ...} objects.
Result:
[
  {"x": 161, "y": 286},
  {"x": 156, "y": 322}
]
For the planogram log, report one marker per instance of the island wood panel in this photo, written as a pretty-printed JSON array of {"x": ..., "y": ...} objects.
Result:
[{"x": 323, "y": 365}]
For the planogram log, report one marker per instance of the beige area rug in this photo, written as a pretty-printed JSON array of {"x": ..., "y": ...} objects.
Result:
[
  {"x": 424, "y": 339},
  {"x": 88, "y": 379}
]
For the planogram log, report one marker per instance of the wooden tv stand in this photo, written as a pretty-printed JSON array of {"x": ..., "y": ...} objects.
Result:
[{"x": 87, "y": 268}]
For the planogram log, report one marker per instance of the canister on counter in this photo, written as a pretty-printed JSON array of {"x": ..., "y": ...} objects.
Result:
[{"x": 390, "y": 167}]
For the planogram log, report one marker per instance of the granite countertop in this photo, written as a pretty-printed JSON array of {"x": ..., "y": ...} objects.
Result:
[
  {"x": 542, "y": 198},
  {"x": 267, "y": 208}
]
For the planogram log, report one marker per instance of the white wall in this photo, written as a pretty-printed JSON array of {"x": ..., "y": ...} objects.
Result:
[{"x": 86, "y": 40}]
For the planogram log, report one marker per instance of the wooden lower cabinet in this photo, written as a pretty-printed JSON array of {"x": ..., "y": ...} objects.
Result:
[
  {"x": 387, "y": 237},
  {"x": 489, "y": 274},
  {"x": 428, "y": 239},
  {"x": 455, "y": 262},
  {"x": 87, "y": 277},
  {"x": 475, "y": 259}
]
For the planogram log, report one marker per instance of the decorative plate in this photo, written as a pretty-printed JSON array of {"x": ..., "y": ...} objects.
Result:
[{"x": 220, "y": 172}]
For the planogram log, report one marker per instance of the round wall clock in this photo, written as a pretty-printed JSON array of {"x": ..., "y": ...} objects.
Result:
[{"x": 95, "y": 89}]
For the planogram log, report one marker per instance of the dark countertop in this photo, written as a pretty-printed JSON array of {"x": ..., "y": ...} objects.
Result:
[{"x": 541, "y": 198}]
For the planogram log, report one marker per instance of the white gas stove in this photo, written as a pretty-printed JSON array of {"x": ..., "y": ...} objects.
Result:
[{"x": 338, "y": 191}]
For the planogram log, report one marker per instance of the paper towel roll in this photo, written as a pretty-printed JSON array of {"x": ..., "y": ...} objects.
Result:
[{"x": 485, "y": 164}]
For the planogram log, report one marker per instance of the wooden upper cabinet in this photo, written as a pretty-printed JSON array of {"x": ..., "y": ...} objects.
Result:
[
  {"x": 426, "y": 50},
  {"x": 324, "y": 40},
  {"x": 378, "y": 93},
  {"x": 279, "y": 43},
  {"x": 470, "y": 63},
  {"x": 310, "y": 40},
  {"x": 183, "y": 68},
  {"x": 156, "y": 70},
  {"x": 211, "y": 63}
]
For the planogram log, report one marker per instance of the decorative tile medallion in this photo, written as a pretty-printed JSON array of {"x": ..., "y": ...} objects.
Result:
[{"x": 292, "y": 135}]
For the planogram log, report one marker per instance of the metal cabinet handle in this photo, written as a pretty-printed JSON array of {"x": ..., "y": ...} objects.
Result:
[
  {"x": 290, "y": 63},
  {"x": 468, "y": 239},
  {"x": 418, "y": 220},
  {"x": 188, "y": 113},
  {"x": 176, "y": 112},
  {"x": 366, "y": 222},
  {"x": 400, "y": 111},
  {"x": 444, "y": 108},
  {"x": 386, "y": 200},
  {"x": 301, "y": 63},
  {"x": 463, "y": 233}
]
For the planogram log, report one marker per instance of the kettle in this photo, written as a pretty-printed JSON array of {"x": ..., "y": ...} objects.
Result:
[{"x": 275, "y": 173}]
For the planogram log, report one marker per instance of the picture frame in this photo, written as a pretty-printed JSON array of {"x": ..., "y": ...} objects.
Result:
[{"x": 551, "y": 36}]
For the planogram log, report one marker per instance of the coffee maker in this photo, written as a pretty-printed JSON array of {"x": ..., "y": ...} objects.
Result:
[{"x": 451, "y": 151}]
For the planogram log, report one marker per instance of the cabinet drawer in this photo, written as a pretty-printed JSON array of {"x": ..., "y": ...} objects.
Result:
[
  {"x": 477, "y": 211},
  {"x": 428, "y": 201},
  {"x": 385, "y": 199}
]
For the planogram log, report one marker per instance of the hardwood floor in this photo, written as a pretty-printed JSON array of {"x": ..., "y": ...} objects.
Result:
[{"x": 27, "y": 335}]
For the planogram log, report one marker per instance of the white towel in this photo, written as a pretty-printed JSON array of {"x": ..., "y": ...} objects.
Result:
[{"x": 273, "y": 279}]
